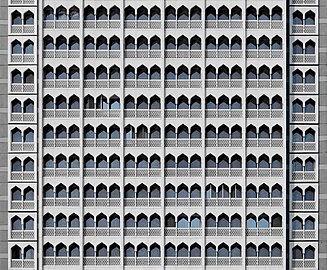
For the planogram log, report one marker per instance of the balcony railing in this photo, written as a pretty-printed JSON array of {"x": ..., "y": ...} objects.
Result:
[
  {"x": 304, "y": 117},
  {"x": 22, "y": 29},
  {"x": 183, "y": 113},
  {"x": 224, "y": 24},
  {"x": 183, "y": 202},
  {"x": 61, "y": 261},
  {"x": 261, "y": 142},
  {"x": 196, "y": 83},
  {"x": 304, "y": 2},
  {"x": 61, "y": 142},
  {"x": 221, "y": 142},
  {"x": 224, "y": 261},
  {"x": 61, "y": 83},
  {"x": 61, "y": 53},
  {"x": 22, "y": 146},
  {"x": 138, "y": 53},
  {"x": 304, "y": 146},
  {"x": 26, "y": 175},
  {"x": 264, "y": 53},
  {"x": 224, "y": 53},
  {"x": 304, "y": 88},
  {"x": 183, "y": 143},
  {"x": 22, "y": 87},
  {"x": 264, "y": 113},
  {"x": 22, "y": 205},
  {"x": 22, "y": 117},
  {"x": 304, "y": 263},
  {"x": 22, "y": 234},
  {"x": 181, "y": 172},
  {"x": 101, "y": 54},
  {"x": 140, "y": 172},
  {"x": 102, "y": 24},
  {"x": 264, "y": 83},
  {"x": 304, "y": 205},
  {"x": 61, "y": 202},
  {"x": 262, "y": 172},
  {"x": 101, "y": 202},
  {"x": 61, "y": 113},
  {"x": 304, "y": 29},
  {"x": 224, "y": 172},
  {"x": 22, "y": 58},
  {"x": 183, "y": 53},
  {"x": 142, "y": 232},
  {"x": 58, "y": 172},
  {"x": 304, "y": 234},
  {"x": 101, "y": 113},
  {"x": 234, "y": 113},
  {"x": 223, "y": 202},
  {"x": 61, "y": 231},
  {"x": 142, "y": 83},
  {"x": 142, "y": 142},
  {"x": 101, "y": 142},
  {"x": 183, "y": 24},
  {"x": 304, "y": 175},
  {"x": 101, "y": 231},
  {"x": 142, "y": 113},
  {"x": 22, "y": 2},
  {"x": 264, "y": 261},
  {"x": 142, "y": 261},
  {"x": 22, "y": 263},
  {"x": 276, "y": 232},
  {"x": 101, "y": 172},
  {"x": 264, "y": 202},
  {"x": 304, "y": 58},
  {"x": 183, "y": 261},
  {"x": 61, "y": 24},
  {"x": 152, "y": 24},
  {"x": 183, "y": 231},
  {"x": 142, "y": 202},
  {"x": 109, "y": 83},
  {"x": 264, "y": 24},
  {"x": 101, "y": 261},
  {"x": 224, "y": 83},
  {"x": 223, "y": 231}
]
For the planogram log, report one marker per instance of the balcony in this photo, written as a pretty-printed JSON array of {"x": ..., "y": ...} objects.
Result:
[
  {"x": 142, "y": 83},
  {"x": 101, "y": 202},
  {"x": 101, "y": 231},
  {"x": 61, "y": 231},
  {"x": 22, "y": 29},
  {"x": 264, "y": 54},
  {"x": 67, "y": 172},
  {"x": 304, "y": 29},
  {"x": 264, "y": 202},
  {"x": 183, "y": 54},
  {"x": 264, "y": 83},
  {"x": 264, "y": 261},
  {"x": 224, "y": 172},
  {"x": 304, "y": 263},
  {"x": 224, "y": 261},
  {"x": 140, "y": 172},
  {"x": 22, "y": 2},
  {"x": 304, "y": 175},
  {"x": 304, "y": 146},
  {"x": 142, "y": 261},
  {"x": 224, "y": 24},
  {"x": 223, "y": 231},
  {"x": 181, "y": 172},
  {"x": 61, "y": 261},
  {"x": 22, "y": 117},
  {"x": 264, "y": 113},
  {"x": 141, "y": 113},
  {"x": 224, "y": 53},
  {"x": 183, "y": 113},
  {"x": 101, "y": 172},
  {"x": 304, "y": 117},
  {"x": 143, "y": 24},
  {"x": 196, "y": 83},
  {"x": 235, "y": 113},
  {"x": 304, "y": 2},
  {"x": 264, "y": 24},
  {"x": 183, "y": 231},
  {"x": 101, "y": 54},
  {"x": 101, "y": 113},
  {"x": 183, "y": 261},
  {"x": 111, "y": 83},
  {"x": 22, "y": 58},
  {"x": 142, "y": 202},
  {"x": 22, "y": 205},
  {"x": 22, "y": 146},
  {"x": 261, "y": 142},
  {"x": 304, "y": 58},
  {"x": 61, "y": 24},
  {"x": 220, "y": 142},
  {"x": 183, "y": 202},
  {"x": 262, "y": 172},
  {"x": 22, "y": 87},
  {"x": 183, "y": 24},
  {"x": 142, "y": 142},
  {"x": 102, "y": 24},
  {"x": 276, "y": 232},
  {"x": 303, "y": 234},
  {"x": 224, "y": 83},
  {"x": 304, "y": 88},
  {"x": 223, "y": 202},
  {"x": 61, "y": 113},
  {"x": 101, "y": 142},
  {"x": 142, "y": 232},
  {"x": 183, "y": 143},
  {"x": 22, "y": 234},
  {"x": 138, "y": 53},
  {"x": 22, "y": 263},
  {"x": 26, "y": 175},
  {"x": 304, "y": 205},
  {"x": 64, "y": 83},
  {"x": 61, "y": 53},
  {"x": 61, "y": 142},
  {"x": 61, "y": 202},
  {"x": 101, "y": 261}
]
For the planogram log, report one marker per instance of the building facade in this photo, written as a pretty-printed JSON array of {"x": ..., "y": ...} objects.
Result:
[{"x": 163, "y": 135}]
